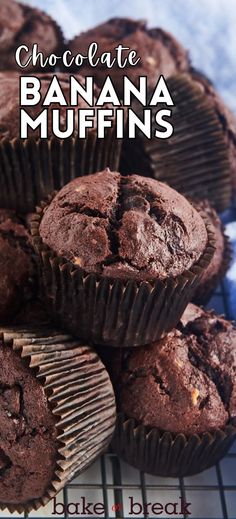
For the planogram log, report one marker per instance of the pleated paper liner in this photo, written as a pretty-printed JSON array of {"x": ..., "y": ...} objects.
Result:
[
  {"x": 113, "y": 312},
  {"x": 165, "y": 454},
  {"x": 205, "y": 291},
  {"x": 80, "y": 395},
  {"x": 31, "y": 169},
  {"x": 195, "y": 160},
  {"x": 227, "y": 118}
]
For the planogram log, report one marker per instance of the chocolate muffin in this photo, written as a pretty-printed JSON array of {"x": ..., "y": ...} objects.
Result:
[
  {"x": 124, "y": 227},
  {"x": 183, "y": 385},
  {"x": 27, "y": 433},
  {"x": 17, "y": 266},
  {"x": 159, "y": 51},
  {"x": 47, "y": 406},
  {"x": 130, "y": 243},
  {"x": 220, "y": 262},
  {"x": 21, "y": 24},
  {"x": 31, "y": 169}
]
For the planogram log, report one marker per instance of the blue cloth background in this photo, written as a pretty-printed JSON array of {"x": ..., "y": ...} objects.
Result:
[{"x": 207, "y": 28}]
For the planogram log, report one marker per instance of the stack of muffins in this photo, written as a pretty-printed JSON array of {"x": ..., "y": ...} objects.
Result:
[{"x": 101, "y": 341}]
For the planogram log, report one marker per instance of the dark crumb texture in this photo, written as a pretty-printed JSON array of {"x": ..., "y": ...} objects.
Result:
[
  {"x": 159, "y": 51},
  {"x": 17, "y": 281},
  {"x": 22, "y": 24},
  {"x": 185, "y": 383},
  {"x": 27, "y": 433},
  {"x": 125, "y": 227},
  {"x": 214, "y": 351}
]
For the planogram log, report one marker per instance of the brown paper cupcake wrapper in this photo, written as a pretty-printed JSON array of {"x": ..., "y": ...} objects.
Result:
[
  {"x": 227, "y": 119},
  {"x": 113, "y": 312},
  {"x": 60, "y": 363},
  {"x": 204, "y": 292},
  {"x": 31, "y": 169},
  {"x": 195, "y": 159},
  {"x": 164, "y": 454}
]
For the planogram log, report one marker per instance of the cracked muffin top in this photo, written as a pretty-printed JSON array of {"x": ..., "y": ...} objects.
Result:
[
  {"x": 185, "y": 383},
  {"x": 27, "y": 432},
  {"x": 21, "y": 24},
  {"x": 124, "y": 227},
  {"x": 159, "y": 51},
  {"x": 17, "y": 280}
]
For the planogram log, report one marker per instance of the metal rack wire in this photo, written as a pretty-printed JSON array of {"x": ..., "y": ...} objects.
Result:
[{"x": 212, "y": 494}]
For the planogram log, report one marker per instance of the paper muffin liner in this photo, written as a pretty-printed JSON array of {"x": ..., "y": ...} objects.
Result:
[
  {"x": 113, "y": 312},
  {"x": 204, "y": 292},
  {"x": 165, "y": 454},
  {"x": 31, "y": 169},
  {"x": 80, "y": 396},
  {"x": 227, "y": 119},
  {"x": 195, "y": 160}
]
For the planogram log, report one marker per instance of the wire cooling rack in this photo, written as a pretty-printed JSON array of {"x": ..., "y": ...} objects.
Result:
[{"x": 211, "y": 494}]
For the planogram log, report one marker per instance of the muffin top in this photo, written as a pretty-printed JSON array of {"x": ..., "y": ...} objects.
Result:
[
  {"x": 124, "y": 227},
  {"x": 160, "y": 53},
  {"x": 22, "y": 24},
  {"x": 27, "y": 432},
  {"x": 185, "y": 383},
  {"x": 9, "y": 103},
  {"x": 17, "y": 281}
]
